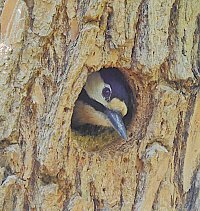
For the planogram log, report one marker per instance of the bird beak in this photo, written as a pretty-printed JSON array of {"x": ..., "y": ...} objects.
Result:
[{"x": 117, "y": 122}]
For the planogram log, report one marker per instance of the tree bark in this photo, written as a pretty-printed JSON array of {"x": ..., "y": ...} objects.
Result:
[{"x": 47, "y": 50}]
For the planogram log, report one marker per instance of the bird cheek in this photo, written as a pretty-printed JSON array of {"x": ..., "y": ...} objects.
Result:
[
  {"x": 124, "y": 111},
  {"x": 118, "y": 105}
]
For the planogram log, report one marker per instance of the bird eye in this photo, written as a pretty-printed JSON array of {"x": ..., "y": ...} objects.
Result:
[{"x": 106, "y": 92}]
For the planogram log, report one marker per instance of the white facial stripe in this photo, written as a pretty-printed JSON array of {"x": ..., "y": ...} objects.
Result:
[
  {"x": 118, "y": 105},
  {"x": 94, "y": 87}
]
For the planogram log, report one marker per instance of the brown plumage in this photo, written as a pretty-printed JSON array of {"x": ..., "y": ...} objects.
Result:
[{"x": 103, "y": 101}]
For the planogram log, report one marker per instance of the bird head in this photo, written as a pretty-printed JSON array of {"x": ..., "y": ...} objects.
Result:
[{"x": 103, "y": 101}]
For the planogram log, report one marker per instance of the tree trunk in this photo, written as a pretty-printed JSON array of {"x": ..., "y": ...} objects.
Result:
[{"x": 47, "y": 50}]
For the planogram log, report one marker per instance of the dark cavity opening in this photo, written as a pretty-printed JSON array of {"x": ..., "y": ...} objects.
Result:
[{"x": 120, "y": 90}]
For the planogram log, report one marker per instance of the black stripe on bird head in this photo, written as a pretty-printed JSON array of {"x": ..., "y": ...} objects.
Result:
[
  {"x": 89, "y": 101},
  {"x": 115, "y": 79}
]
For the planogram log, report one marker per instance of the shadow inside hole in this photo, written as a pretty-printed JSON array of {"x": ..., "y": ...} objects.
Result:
[
  {"x": 92, "y": 130},
  {"x": 96, "y": 136}
]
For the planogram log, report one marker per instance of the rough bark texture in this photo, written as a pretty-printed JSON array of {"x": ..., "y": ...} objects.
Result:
[{"x": 47, "y": 49}]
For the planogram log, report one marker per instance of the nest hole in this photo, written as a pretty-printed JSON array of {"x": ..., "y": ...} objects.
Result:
[{"x": 95, "y": 137}]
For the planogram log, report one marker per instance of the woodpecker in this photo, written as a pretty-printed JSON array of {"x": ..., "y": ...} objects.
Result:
[{"x": 103, "y": 101}]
